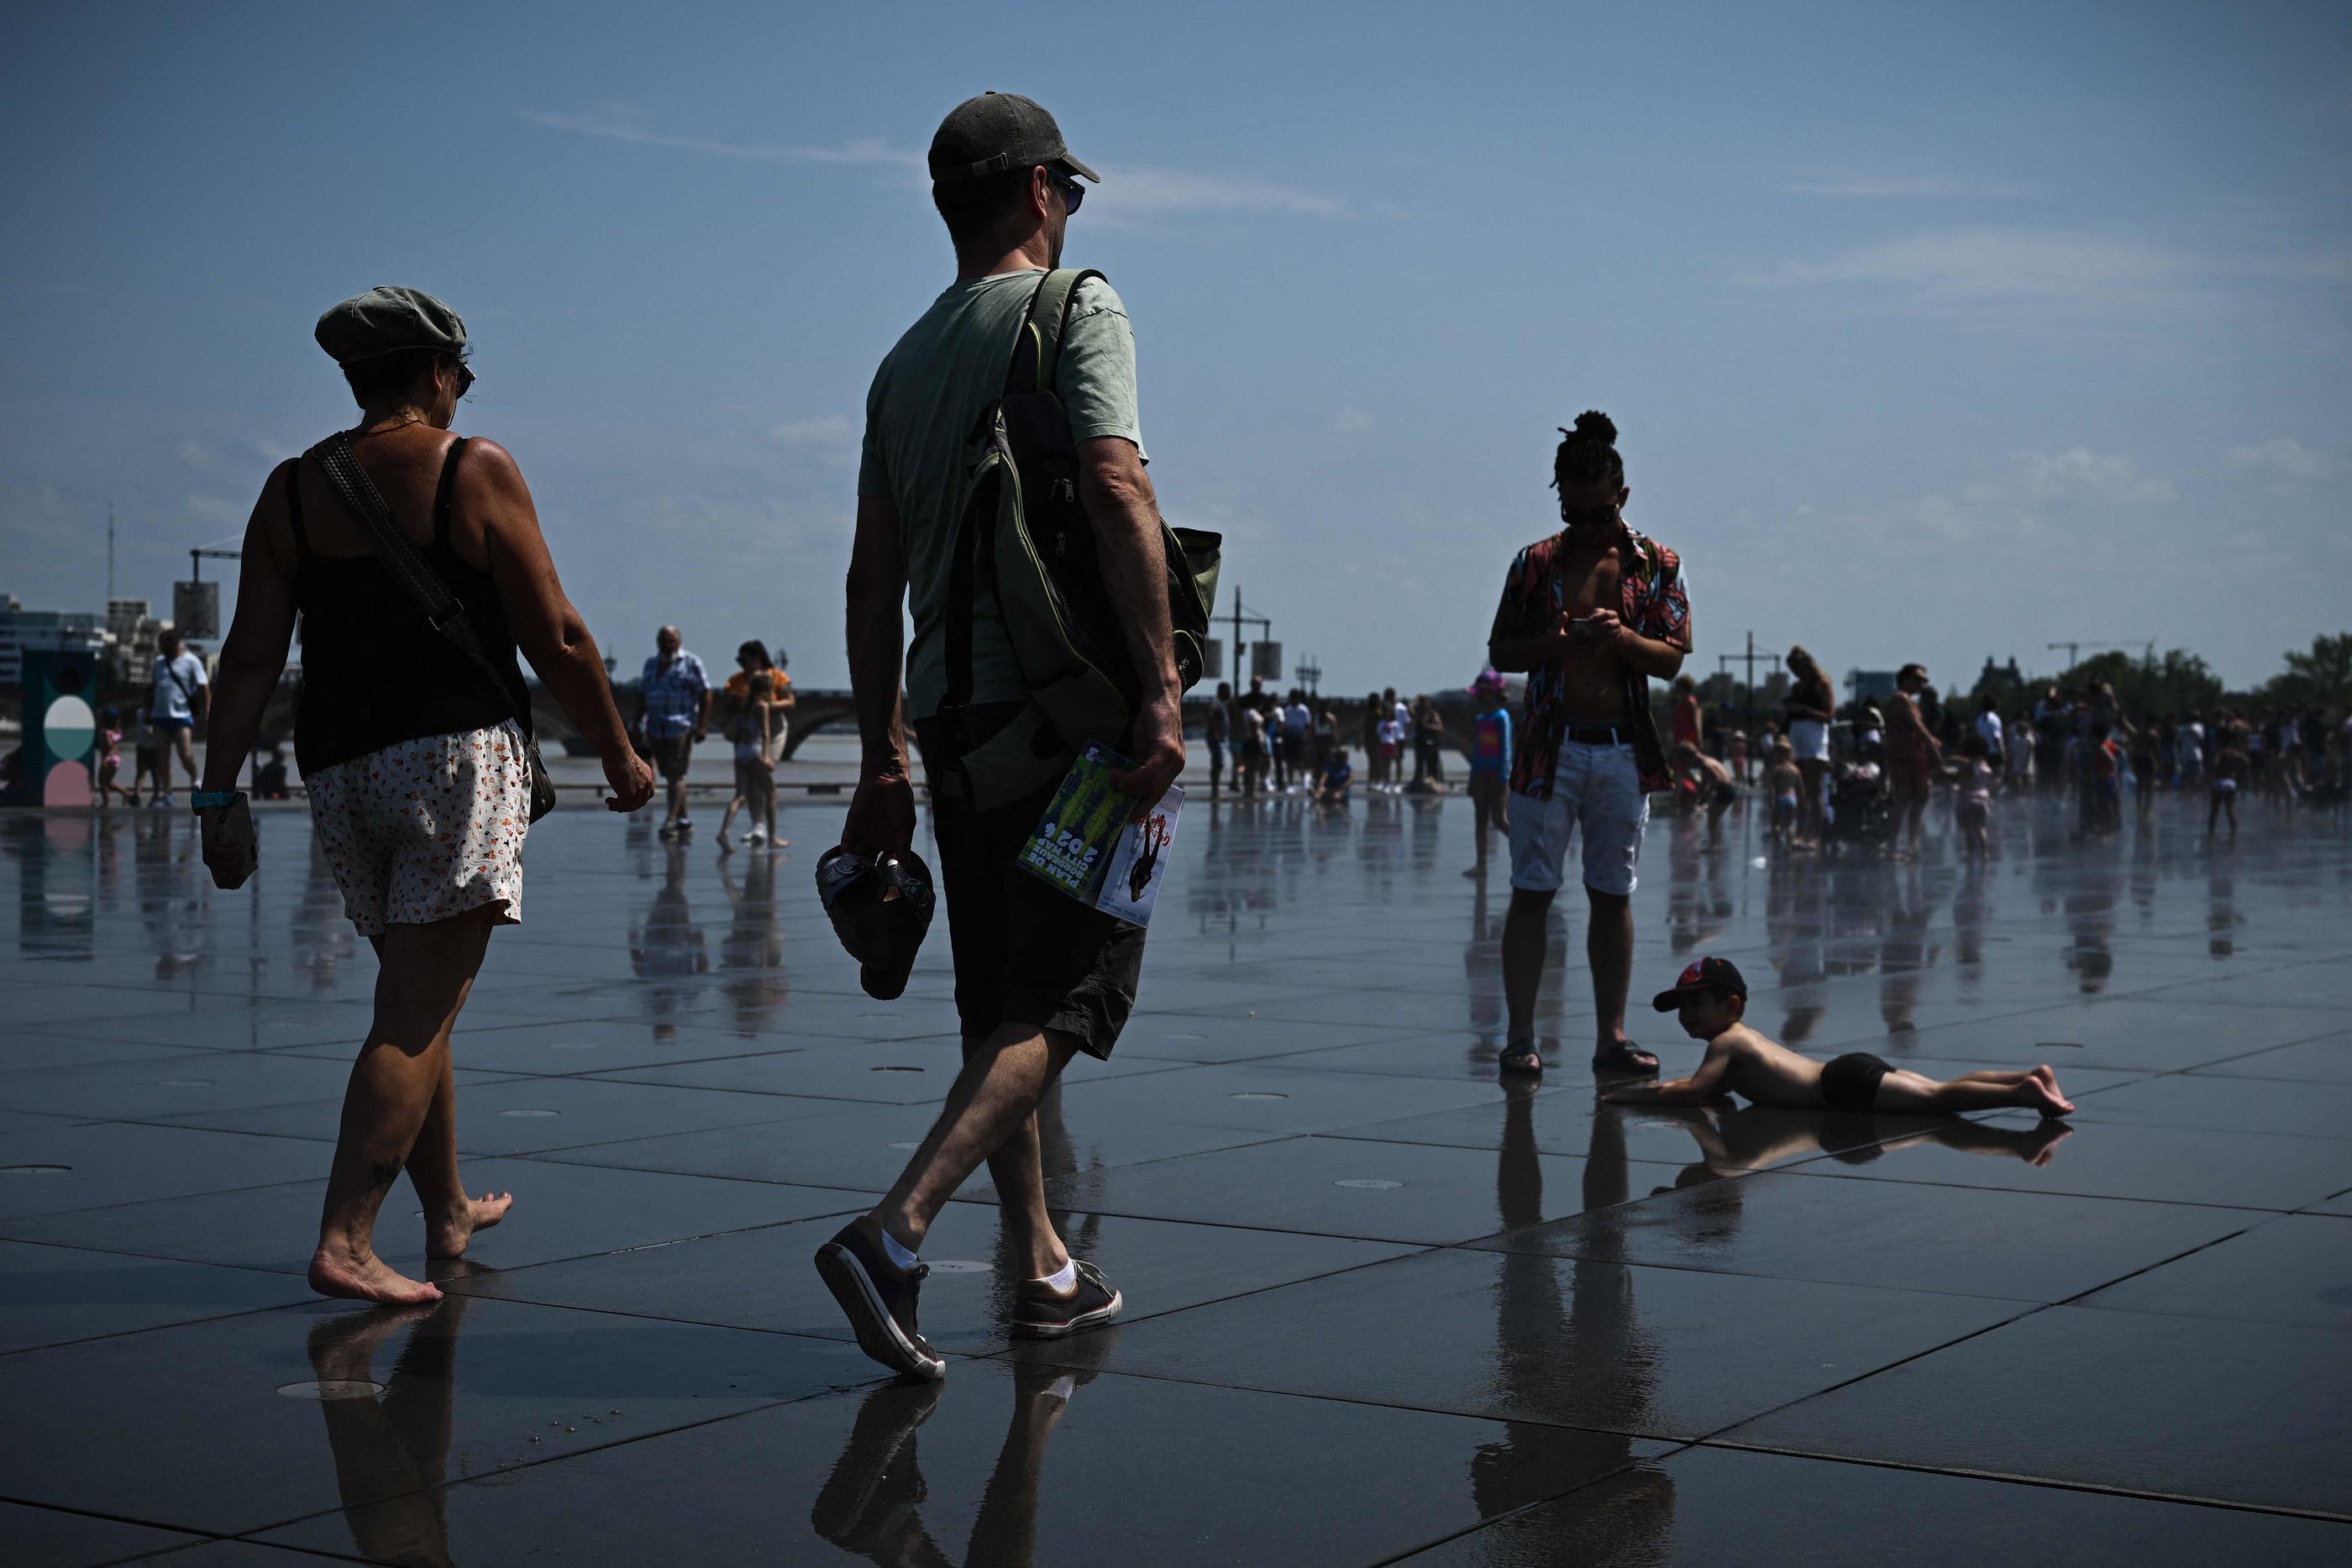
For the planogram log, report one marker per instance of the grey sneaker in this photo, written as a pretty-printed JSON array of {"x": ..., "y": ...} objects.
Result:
[
  {"x": 877, "y": 1297},
  {"x": 1037, "y": 1315}
]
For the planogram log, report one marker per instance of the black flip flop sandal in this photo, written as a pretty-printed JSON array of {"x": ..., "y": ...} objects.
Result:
[
  {"x": 1520, "y": 1058},
  {"x": 1629, "y": 1057}
]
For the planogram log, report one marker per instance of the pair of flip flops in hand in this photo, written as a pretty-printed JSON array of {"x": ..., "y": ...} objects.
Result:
[{"x": 1520, "y": 1058}]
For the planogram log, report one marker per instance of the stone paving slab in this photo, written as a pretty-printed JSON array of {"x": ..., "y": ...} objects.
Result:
[
  {"x": 1704, "y": 1507},
  {"x": 188, "y": 1424},
  {"x": 57, "y": 1295},
  {"x": 2202, "y": 1409},
  {"x": 1014, "y": 1464},
  {"x": 560, "y": 1212},
  {"x": 2292, "y": 1269},
  {"x": 1520, "y": 1338},
  {"x": 761, "y": 1279},
  {"x": 1379, "y": 1302},
  {"x": 52, "y": 1538}
]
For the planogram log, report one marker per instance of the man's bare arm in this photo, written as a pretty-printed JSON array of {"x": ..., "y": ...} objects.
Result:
[
  {"x": 877, "y": 633},
  {"x": 882, "y": 812},
  {"x": 1119, "y": 504}
]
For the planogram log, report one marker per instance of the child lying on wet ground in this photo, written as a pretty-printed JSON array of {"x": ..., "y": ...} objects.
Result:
[{"x": 1713, "y": 1000}]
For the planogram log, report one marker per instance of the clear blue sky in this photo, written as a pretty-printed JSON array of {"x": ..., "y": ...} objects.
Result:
[{"x": 1931, "y": 332}]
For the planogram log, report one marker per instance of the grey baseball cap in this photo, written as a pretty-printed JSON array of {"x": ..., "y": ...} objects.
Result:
[
  {"x": 386, "y": 319},
  {"x": 996, "y": 132}
]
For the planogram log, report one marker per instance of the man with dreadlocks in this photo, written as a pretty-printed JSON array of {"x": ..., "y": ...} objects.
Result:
[{"x": 1591, "y": 614}]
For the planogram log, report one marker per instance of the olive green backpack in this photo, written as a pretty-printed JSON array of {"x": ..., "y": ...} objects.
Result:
[{"x": 1022, "y": 535}]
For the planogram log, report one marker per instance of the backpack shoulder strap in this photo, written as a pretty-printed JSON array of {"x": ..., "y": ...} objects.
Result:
[{"x": 1037, "y": 351}]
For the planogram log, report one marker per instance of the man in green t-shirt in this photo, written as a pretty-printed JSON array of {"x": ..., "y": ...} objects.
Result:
[{"x": 1039, "y": 977}]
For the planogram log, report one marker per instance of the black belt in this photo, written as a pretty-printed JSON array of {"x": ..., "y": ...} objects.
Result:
[{"x": 1599, "y": 734}]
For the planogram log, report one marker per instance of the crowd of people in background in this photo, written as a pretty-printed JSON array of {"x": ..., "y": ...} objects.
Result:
[
  {"x": 2074, "y": 741},
  {"x": 1262, "y": 743}
]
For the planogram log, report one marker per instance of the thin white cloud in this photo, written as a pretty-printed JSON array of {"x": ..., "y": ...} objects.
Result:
[
  {"x": 1130, "y": 190},
  {"x": 2076, "y": 476},
  {"x": 1971, "y": 265},
  {"x": 193, "y": 455},
  {"x": 1350, "y": 421},
  {"x": 2283, "y": 459},
  {"x": 619, "y": 123},
  {"x": 1126, "y": 191},
  {"x": 212, "y": 509},
  {"x": 1873, "y": 187}
]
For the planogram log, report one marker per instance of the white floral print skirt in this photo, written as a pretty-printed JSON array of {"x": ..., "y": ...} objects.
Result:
[{"x": 427, "y": 829}]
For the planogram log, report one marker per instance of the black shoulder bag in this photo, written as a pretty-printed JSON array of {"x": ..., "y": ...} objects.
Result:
[{"x": 426, "y": 587}]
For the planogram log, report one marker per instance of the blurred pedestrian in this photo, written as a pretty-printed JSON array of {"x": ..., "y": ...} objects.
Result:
[{"x": 673, "y": 716}]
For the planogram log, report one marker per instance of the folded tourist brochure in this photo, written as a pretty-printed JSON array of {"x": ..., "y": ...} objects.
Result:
[{"x": 1088, "y": 849}]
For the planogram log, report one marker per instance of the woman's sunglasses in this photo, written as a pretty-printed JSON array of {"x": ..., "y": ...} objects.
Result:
[{"x": 464, "y": 379}]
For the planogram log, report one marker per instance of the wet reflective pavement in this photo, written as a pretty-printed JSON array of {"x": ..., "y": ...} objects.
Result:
[{"x": 1381, "y": 1306}]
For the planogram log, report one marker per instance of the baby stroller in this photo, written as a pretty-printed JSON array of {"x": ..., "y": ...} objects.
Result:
[{"x": 1862, "y": 807}]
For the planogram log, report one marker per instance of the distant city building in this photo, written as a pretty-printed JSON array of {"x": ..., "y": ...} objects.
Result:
[
  {"x": 131, "y": 630},
  {"x": 1876, "y": 684},
  {"x": 23, "y": 630},
  {"x": 1998, "y": 680},
  {"x": 1775, "y": 689}
]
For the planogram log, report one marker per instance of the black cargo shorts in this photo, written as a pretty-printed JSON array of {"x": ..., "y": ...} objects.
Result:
[{"x": 1025, "y": 952}]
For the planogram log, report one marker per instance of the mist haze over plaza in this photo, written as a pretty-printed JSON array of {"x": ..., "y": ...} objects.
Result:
[{"x": 1930, "y": 337}]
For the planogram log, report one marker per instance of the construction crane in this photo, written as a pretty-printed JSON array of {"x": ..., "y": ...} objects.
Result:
[{"x": 2074, "y": 648}]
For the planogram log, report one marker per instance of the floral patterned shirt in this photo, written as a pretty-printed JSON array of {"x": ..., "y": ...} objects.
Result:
[{"x": 1653, "y": 602}]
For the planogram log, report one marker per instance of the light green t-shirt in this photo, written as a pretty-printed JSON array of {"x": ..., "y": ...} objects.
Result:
[{"x": 919, "y": 415}]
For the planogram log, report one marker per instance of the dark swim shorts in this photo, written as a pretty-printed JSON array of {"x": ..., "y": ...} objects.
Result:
[{"x": 1851, "y": 1081}]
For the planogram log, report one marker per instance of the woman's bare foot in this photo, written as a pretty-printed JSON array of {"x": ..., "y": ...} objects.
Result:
[
  {"x": 364, "y": 1277},
  {"x": 2043, "y": 1097},
  {"x": 446, "y": 1238}
]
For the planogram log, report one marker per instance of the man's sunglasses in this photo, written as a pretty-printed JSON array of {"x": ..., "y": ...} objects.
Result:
[
  {"x": 1074, "y": 195},
  {"x": 1588, "y": 517}
]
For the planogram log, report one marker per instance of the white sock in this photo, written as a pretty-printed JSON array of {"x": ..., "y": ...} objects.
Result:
[
  {"x": 1062, "y": 1280},
  {"x": 898, "y": 1255}
]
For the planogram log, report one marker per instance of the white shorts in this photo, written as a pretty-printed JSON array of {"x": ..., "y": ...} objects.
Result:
[
  {"x": 1597, "y": 788},
  {"x": 1810, "y": 739},
  {"x": 427, "y": 829}
]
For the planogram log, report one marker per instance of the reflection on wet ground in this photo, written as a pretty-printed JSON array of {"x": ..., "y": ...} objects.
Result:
[{"x": 1382, "y": 1305}]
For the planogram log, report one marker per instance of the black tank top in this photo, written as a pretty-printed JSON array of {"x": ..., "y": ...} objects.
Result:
[{"x": 374, "y": 672}]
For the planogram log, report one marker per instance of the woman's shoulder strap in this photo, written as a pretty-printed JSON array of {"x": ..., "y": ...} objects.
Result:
[{"x": 445, "y": 496}]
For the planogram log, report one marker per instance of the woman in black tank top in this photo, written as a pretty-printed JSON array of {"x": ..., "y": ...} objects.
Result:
[{"x": 410, "y": 747}]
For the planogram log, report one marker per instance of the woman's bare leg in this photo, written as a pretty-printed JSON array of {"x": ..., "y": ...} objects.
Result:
[{"x": 399, "y": 1110}]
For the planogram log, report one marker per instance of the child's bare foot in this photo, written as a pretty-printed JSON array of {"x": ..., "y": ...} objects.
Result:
[
  {"x": 364, "y": 1277},
  {"x": 448, "y": 1237},
  {"x": 2049, "y": 1078},
  {"x": 2044, "y": 1097}
]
